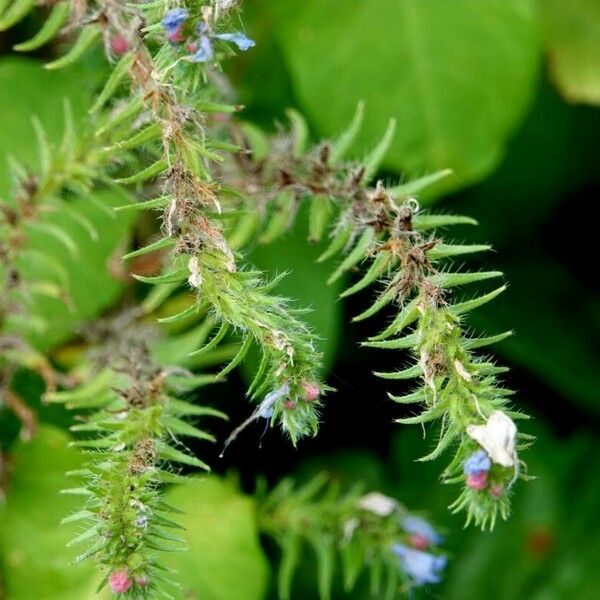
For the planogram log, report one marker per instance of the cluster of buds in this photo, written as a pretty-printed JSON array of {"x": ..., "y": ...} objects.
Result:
[
  {"x": 496, "y": 454},
  {"x": 121, "y": 581},
  {"x": 197, "y": 36}
]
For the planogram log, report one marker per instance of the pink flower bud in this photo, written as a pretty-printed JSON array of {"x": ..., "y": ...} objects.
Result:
[
  {"x": 142, "y": 580},
  {"x": 496, "y": 490},
  {"x": 418, "y": 541},
  {"x": 311, "y": 391},
  {"x": 477, "y": 480},
  {"x": 175, "y": 35},
  {"x": 119, "y": 44},
  {"x": 192, "y": 47},
  {"x": 120, "y": 581},
  {"x": 289, "y": 404}
]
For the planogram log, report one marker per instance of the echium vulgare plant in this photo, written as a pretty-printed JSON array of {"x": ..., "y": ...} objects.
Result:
[{"x": 163, "y": 136}]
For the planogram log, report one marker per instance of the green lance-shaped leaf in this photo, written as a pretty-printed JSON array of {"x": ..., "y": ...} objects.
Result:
[
  {"x": 290, "y": 560},
  {"x": 464, "y": 307},
  {"x": 183, "y": 428},
  {"x": 481, "y": 342},
  {"x": 299, "y": 132},
  {"x": 86, "y": 38},
  {"x": 214, "y": 107},
  {"x": 57, "y": 233},
  {"x": 244, "y": 230},
  {"x": 149, "y": 172},
  {"x": 280, "y": 219},
  {"x": 147, "y": 134},
  {"x": 408, "y": 373},
  {"x": 382, "y": 301},
  {"x": 160, "y": 202},
  {"x": 130, "y": 110},
  {"x": 450, "y": 250},
  {"x": 319, "y": 217},
  {"x": 375, "y": 158},
  {"x": 407, "y": 341},
  {"x": 382, "y": 261},
  {"x": 14, "y": 13},
  {"x": 214, "y": 342},
  {"x": 405, "y": 317},
  {"x": 238, "y": 358},
  {"x": 447, "y": 280},
  {"x": 192, "y": 309},
  {"x": 171, "y": 454},
  {"x": 416, "y": 186},
  {"x": 428, "y": 222},
  {"x": 118, "y": 73},
  {"x": 43, "y": 147},
  {"x": 165, "y": 242},
  {"x": 357, "y": 254},
  {"x": 339, "y": 240},
  {"x": 342, "y": 145},
  {"x": 170, "y": 277},
  {"x": 53, "y": 24}
]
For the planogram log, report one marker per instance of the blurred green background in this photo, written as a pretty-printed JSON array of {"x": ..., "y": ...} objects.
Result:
[{"x": 504, "y": 92}]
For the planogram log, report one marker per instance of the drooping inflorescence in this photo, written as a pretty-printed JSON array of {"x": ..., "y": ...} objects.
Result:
[{"x": 370, "y": 533}]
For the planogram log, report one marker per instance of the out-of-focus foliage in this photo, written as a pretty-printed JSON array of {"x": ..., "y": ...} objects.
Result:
[
  {"x": 571, "y": 31},
  {"x": 457, "y": 76},
  {"x": 35, "y": 558},
  {"x": 224, "y": 560}
]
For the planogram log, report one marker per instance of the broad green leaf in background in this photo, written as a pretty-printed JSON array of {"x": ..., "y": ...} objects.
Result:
[
  {"x": 458, "y": 76},
  {"x": 572, "y": 37},
  {"x": 224, "y": 560},
  {"x": 84, "y": 275},
  {"x": 33, "y": 552}
]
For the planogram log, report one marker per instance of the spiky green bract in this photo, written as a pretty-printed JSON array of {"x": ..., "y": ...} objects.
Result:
[
  {"x": 349, "y": 528},
  {"x": 133, "y": 428}
]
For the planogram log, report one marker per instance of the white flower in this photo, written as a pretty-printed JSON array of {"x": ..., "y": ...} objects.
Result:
[
  {"x": 195, "y": 278},
  {"x": 497, "y": 438},
  {"x": 378, "y": 504}
]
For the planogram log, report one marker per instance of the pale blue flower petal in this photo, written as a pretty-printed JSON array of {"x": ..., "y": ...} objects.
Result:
[
  {"x": 477, "y": 462},
  {"x": 421, "y": 567},
  {"x": 239, "y": 39},
  {"x": 175, "y": 18},
  {"x": 418, "y": 526}
]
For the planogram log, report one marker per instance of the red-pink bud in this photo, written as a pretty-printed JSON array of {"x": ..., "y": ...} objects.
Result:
[
  {"x": 418, "y": 541},
  {"x": 192, "y": 47},
  {"x": 120, "y": 581},
  {"x": 496, "y": 490},
  {"x": 311, "y": 391},
  {"x": 142, "y": 580},
  {"x": 119, "y": 44},
  {"x": 289, "y": 404},
  {"x": 477, "y": 480},
  {"x": 175, "y": 35}
]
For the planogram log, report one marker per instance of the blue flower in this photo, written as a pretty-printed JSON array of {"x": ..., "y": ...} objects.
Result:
[
  {"x": 421, "y": 567},
  {"x": 239, "y": 39},
  {"x": 477, "y": 462},
  {"x": 418, "y": 526},
  {"x": 205, "y": 50},
  {"x": 174, "y": 19}
]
